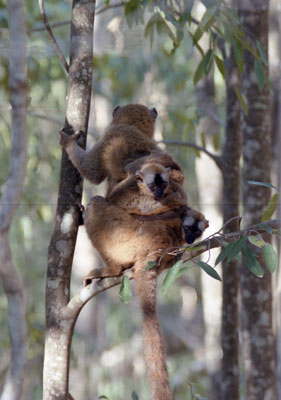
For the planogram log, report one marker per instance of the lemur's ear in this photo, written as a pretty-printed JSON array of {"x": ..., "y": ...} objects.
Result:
[
  {"x": 139, "y": 176},
  {"x": 115, "y": 111},
  {"x": 153, "y": 112}
]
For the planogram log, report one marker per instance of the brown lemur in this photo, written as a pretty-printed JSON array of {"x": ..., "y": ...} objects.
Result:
[
  {"x": 126, "y": 145},
  {"x": 128, "y": 137},
  {"x": 124, "y": 241},
  {"x": 125, "y": 153}
]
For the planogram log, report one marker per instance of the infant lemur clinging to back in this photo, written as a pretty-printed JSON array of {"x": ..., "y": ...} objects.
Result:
[{"x": 144, "y": 214}]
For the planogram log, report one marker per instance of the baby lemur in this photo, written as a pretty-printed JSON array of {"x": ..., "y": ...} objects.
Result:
[{"x": 150, "y": 188}]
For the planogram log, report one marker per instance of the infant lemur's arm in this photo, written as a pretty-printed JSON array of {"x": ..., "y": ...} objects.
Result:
[{"x": 149, "y": 190}]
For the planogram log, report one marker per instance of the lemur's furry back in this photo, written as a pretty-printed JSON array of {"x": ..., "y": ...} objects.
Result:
[{"x": 127, "y": 138}]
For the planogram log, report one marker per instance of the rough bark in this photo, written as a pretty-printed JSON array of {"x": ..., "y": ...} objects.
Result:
[
  {"x": 12, "y": 284},
  {"x": 61, "y": 249},
  {"x": 231, "y": 188},
  {"x": 256, "y": 293},
  {"x": 276, "y": 152}
]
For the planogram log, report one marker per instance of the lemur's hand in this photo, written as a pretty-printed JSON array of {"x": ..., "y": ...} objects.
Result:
[{"x": 66, "y": 140}]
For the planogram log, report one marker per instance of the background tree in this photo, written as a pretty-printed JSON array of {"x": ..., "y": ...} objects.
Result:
[
  {"x": 11, "y": 280},
  {"x": 256, "y": 293}
]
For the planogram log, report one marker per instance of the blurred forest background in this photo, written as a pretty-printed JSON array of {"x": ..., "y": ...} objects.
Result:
[{"x": 129, "y": 66}]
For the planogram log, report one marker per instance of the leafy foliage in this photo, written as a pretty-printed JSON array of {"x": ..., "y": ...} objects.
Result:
[{"x": 219, "y": 22}]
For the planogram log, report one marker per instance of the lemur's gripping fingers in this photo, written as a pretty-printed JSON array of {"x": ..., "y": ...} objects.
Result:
[
  {"x": 66, "y": 139},
  {"x": 193, "y": 225}
]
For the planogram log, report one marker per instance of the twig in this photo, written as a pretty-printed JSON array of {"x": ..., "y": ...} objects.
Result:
[
  {"x": 213, "y": 115},
  {"x": 67, "y": 22},
  {"x": 214, "y": 157},
  {"x": 46, "y": 117},
  {"x": 51, "y": 35},
  {"x": 56, "y": 121},
  {"x": 54, "y": 25}
]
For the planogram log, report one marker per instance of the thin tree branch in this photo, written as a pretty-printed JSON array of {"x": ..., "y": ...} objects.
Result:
[
  {"x": 46, "y": 117},
  {"x": 51, "y": 35},
  {"x": 67, "y": 22},
  {"x": 75, "y": 305},
  {"x": 56, "y": 121},
  {"x": 217, "y": 159},
  {"x": 97, "y": 286},
  {"x": 52, "y": 26}
]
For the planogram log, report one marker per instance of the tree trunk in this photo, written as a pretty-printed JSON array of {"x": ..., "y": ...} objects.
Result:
[
  {"x": 231, "y": 185},
  {"x": 255, "y": 292},
  {"x": 12, "y": 284},
  {"x": 59, "y": 328}
]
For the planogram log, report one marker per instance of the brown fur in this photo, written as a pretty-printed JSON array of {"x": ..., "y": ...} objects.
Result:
[
  {"x": 134, "y": 195},
  {"x": 128, "y": 137},
  {"x": 125, "y": 241},
  {"x": 127, "y": 152}
]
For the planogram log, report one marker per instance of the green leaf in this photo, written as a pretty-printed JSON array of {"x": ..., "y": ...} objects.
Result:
[
  {"x": 271, "y": 207},
  {"x": 241, "y": 100},
  {"x": 238, "y": 54},
  {"x": 251, "y": 262},
  {"x": 133, "y": 12},
  {"x": 199, "y": 72},
  {"x": 225, "y": 252},
  {"x": 174, "y": 273},
  {"x": 270, "y": 257},
  {"x": 208, "y": 17},
  {"x": 265, "y": 184},
  {"x": 150, "y": 265},
  {"x": 125, "y": 293},
  {"x": 259, "y": 71},
  {"x": 102, "y": 397},
  {"x": 149, "y": 32},
  {"x": 196, "y": 248},
  {"x": 135, "y": 396},
  {"x": 197, "y": 35},
  {"x": 246, "y": 45},
  {"x": 262, "y": 53},
  {"x": 209, "y": 270},
  {"x": 220, "y": 64},
  {"x": 203, "y": 140},
  {"x": 216, "y": 140},
  {"x": 208, "y": 59},
  {"x": 237, "y": 246},
  {"x": 256, "y": 241}
]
